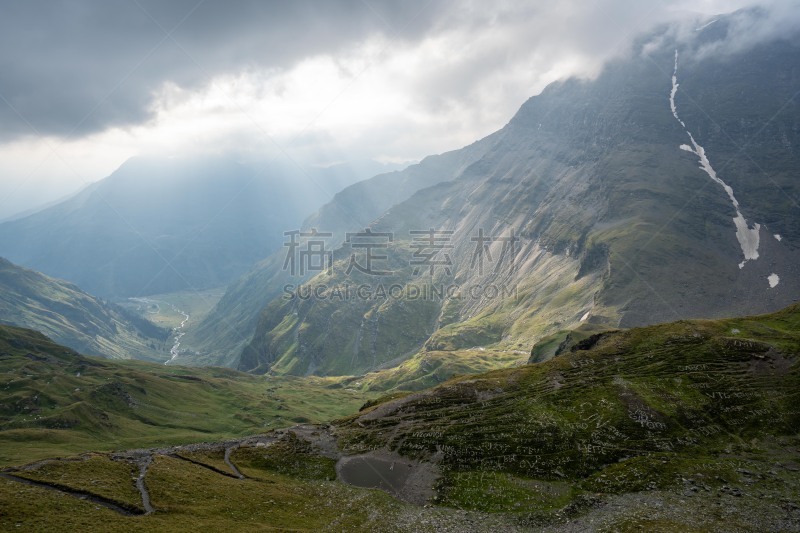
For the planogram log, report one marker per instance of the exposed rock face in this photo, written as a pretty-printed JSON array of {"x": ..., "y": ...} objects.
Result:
[{"x": 585, "y": 208}]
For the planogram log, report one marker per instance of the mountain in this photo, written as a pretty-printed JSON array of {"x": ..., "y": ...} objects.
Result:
[
  {"x": 160, "y": 225},
  {"x": 663, "y": 189},
  {"x": 76, "y": 319},
  {"x": 686, "y": 426},
  {"x": 32, "y": 210},
  {"x": 221, "y": 336}
]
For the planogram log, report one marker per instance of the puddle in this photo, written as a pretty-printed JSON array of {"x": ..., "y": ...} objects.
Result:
[
  {"x": 405, "y": 479},
  {"x": 375, "y": 473}
]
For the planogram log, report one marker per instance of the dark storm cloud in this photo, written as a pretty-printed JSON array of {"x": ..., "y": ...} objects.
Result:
[{"x": 70, "y": 68}]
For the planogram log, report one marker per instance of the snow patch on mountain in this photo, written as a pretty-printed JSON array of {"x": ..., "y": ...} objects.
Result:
[
  {"x": 748, "y": 237},
  {"x": 672, "y": 93},
  {"x": 706, "y": 25},
  {"x": 773, "y": 279}
]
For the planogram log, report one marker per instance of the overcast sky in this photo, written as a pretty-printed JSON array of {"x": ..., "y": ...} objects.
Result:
[{"x": 84, "y": 85}]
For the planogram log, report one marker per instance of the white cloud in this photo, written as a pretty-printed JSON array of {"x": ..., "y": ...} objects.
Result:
[{"x": 377, "y": 97}]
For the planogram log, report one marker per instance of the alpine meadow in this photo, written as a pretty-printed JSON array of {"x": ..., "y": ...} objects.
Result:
[{"x": 381, "y": 266}]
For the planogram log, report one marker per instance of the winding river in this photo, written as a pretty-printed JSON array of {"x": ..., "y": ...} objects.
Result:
[{"x": 177, "y": 331}]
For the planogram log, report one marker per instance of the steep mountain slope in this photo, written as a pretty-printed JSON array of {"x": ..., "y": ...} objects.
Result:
[
  {"x": 687, "y": 426},
  {"x": 222, "y": 335},
  {"x": 631, "y": 199},
  {"x": 160, "y": 225},
  {"x": 70, "y": 316}
]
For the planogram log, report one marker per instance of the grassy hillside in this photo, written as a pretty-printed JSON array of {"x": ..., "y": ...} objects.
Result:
[
  {"x": 56, "y": 401},
  {"x": 64, "y": 312},
  {"x": 190, "y": 496},
  {"x": 689, "y": 426},
  {"x": 695, "y": 409}
]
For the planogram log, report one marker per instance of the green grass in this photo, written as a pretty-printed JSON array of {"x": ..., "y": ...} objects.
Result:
[
  {"x": 213, "y": 458},
  {"x": 96, "y": 474},
  {"x": 56, "y": 402},
  {"x": 289, "y": 456},
  {"x": 430, "y": 368},
  {"x": 495, "y": 492},
  {"x": 636, "y": 412},
  {"x": 189, "y": 497},
  {"x": 28, "y": 508},
  {"x": 688, "y": 426}
]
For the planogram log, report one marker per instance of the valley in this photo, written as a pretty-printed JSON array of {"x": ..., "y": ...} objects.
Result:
[
  {"x": 174, "y": 311},
  {"x": 380, "y": 266},
  {"x": 69, "y": 315},
  {"x": 56, "y": 402}
]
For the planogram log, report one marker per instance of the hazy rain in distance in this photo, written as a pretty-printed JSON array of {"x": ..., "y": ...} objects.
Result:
[{"x": 318, "y": 82}]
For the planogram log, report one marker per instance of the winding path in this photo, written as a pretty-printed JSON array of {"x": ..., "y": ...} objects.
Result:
[
  {"x": 144, "y": 464},
  {"x": 230, "y": 464}
]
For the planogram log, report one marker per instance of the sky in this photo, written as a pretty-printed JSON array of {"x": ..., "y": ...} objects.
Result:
[{"x": 85, "y": 85}]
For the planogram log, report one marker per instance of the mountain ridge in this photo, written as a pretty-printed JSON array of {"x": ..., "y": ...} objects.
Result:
[
  {"x": 228, "y": 328},
  {"x": 74, "y": 318},
  {"x": 616, "y": 223},
  {"x": 160, "y": 224}
]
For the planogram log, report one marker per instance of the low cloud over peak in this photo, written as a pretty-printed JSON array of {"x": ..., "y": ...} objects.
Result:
[{"x": 84, "y": 85}]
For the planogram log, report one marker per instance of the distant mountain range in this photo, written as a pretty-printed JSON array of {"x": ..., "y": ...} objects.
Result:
[
  {"x": 165, "y": 224},
  {"x": 666, "y": 188},
  {"x": 76, "y": 319}
]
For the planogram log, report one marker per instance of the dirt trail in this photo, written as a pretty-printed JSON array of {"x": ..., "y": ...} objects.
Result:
[
  {"x": 230, "y": 464},
  {"x": 414, "y": 485},
  {"x": 144, "y": 464}
]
